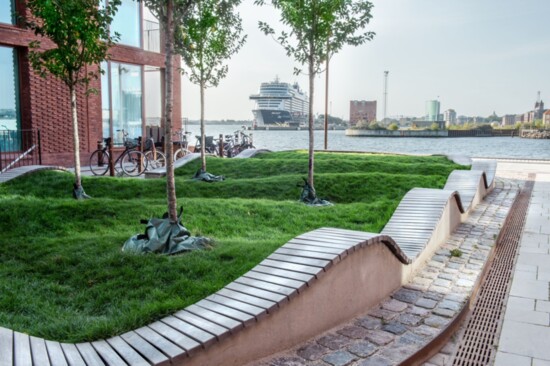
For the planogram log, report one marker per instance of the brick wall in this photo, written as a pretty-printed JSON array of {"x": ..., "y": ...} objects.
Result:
[{"x": 45, "y": 102}]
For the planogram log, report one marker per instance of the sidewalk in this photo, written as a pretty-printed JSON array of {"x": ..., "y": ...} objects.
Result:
[{"x": 525, "y": 336}]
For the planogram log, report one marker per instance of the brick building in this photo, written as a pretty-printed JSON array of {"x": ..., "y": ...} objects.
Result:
[
  {"x": 130, "y": 91},
  {"x": 362, "y": 110}
]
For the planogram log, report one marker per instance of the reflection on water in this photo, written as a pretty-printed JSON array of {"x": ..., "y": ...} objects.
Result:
[{"x": 496, "y": 147}]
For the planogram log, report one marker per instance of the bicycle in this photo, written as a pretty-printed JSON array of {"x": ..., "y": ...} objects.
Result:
[
  {"x": 156, "y": 158},
  {"x": 209, "y": 145},
  {"x": 245, "y": 142},
  {"x": 132, "y": 161},
  {"x": 183, "y": 148}
]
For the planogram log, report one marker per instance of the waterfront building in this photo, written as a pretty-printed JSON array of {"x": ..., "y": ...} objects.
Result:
[
  {"x": 462, "y": 120},
  {"x": 130, "y": 92},
  {"x": 450, "y": 117},
  {"x": 536, "y": 113},
  {"x": 432, "y": 110},
  {"x": 546, "y": 118},
  {"x": 519, "y": 118},
  {"x": 362, "y": 110},
  {"x": 508, "y": 120}
]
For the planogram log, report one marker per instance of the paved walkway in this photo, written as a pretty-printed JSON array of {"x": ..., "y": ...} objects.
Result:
[{"x": 525, "y": 336}]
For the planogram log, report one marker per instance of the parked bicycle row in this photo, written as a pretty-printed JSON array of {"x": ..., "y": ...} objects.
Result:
[{"x": 134, "y": 162}]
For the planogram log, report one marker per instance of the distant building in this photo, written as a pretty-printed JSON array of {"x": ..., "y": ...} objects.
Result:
[
  {"x": 432, "y": 110},
  {"x": 428, "y": 124},
  {"x": 519, "y": 118},
  {"x": 546, "y": 117},
  {"x": 362, "y": 110},
  {"x": 508, "y": 120},
  {"x": 450, "y": 117},
  {"x": 536, "y": 113},
  {"x": 462, "y": 120}
]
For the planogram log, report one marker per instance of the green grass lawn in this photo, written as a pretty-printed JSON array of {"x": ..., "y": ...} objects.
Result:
[{"x": 63, "y": 276}]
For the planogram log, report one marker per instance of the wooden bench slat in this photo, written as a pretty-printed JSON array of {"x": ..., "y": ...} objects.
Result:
[
  {"x": 217, "y": 330},
  {"x": 72, "y": 355},
  {"x": 164, "y": 345},
  {"x": 188, "y": 344},
  {"x": 57, "y": 357},
  {"x": 256, "y": 311},
  {"x": 127, "y": 352},
  {"x": 299, "y": 276},
  {"x": 307, "y": 254},
  {"x": 324, "y": 264},
  {"x": 251, "y": 297},
  {"x": 39, "y": 352},
  {"x": 239, "y": 316},
  {"x": 89, "y": 354},
  {"x": 316, "y": 271},
  {"x": 286, "y": 282},
  {"x": 315, "y": 248},
  {"x": 267, "y": 286},
  {"x": 221, "y": 320},
  {"x": 321, "y": 243},
  {"x": 260, "y": 296},
  {"x": 108, "y": 354},
  {"x": 199, "y": 335},
  {"x": 149, "y": 352},
  {"x": 21, "y": 349},
  {"x": 6, "y": 347}
]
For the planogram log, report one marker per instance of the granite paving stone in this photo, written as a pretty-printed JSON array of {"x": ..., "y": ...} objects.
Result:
[
  {"x": 312, "y": 351},
  {"x": 384, "y": 314},
  {"x": 375, "y": 361},
  {"x": 380, "y": 337},
  {"x": 334, "y": 341},
  {"x": 287, "y": 361},
  {"x": 363, "y": 349},
  {"x": 394, "y": 327},
  {"x": 409, "y": 319},
  {"x": 444, "y": 312},
  {"x": 426, "y": 303},
  {"x": 436, "y": 321},
  {"x": 369, "y": 322},
  {"x": 405, "y": 295},
  {"x": 352, "y": 331},
  {"x": 340, "y": 358},
  {"x": 394, "y": 305}
]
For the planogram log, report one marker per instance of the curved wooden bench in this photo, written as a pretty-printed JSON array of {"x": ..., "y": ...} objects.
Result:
[
  {"x": 249, "y": 153},
  {"x": 24, "y": 170},
  {"x": 471, "y": 185},
  {"x": 489, "y": 167}
]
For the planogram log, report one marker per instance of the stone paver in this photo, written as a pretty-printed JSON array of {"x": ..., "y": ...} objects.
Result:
[
  {"x": 525, "y": 335},
  {"x": 413, "y": 315}
]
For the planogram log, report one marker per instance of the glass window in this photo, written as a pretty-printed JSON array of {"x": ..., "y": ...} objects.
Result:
[
  {"x": 7, "y": 12},
  {"x": 126, "y": 23},
  {"x": 105, "y": 101},
  {"x": 151, "y": 31},
  {"x": 123, "y": 108},
  {"x": 9, "y": 100}
]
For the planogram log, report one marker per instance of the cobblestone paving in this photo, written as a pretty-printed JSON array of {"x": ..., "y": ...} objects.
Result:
[{"x": 413, "y": 315}]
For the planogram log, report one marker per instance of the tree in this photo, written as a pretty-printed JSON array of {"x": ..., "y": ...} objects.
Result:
[
  {"x": 210, "y": 34},
  {"x": 318, "y": 27},
  {"x": 169, "y": 13},
  {"x": 79, "y": 30},
  {"x": 393, "y": 126}
]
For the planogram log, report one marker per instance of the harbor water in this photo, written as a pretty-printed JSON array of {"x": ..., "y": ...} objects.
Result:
[{"x": 489, "y": 147}]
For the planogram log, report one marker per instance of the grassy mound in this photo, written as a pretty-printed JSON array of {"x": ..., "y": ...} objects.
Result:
[{"x": 63, "y": 277}]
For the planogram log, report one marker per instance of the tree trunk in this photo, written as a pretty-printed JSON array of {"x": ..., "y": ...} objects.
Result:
[
  {"x": 76, "y": 143},
  {"x": 168, "y": 106},
  {"x": 311, "y": 136},
  {"x": 203, "y": 133}
]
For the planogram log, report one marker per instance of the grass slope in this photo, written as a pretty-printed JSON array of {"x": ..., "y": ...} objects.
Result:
[{"x": 63, "y": 277}]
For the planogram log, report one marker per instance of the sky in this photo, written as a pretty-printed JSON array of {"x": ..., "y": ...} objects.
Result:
[{"x": 476, "y": 56}]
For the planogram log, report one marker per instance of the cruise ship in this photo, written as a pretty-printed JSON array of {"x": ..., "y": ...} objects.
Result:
[{"x": 280, "y": 104}]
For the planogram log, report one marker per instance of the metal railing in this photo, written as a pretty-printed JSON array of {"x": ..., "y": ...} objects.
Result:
[{"x": 19, "y": 148}]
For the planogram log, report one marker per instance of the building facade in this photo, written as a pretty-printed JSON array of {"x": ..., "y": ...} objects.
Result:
[
  {"x": 546, "y": 118},
  {"x": 432, "y": 110},
  {"x": 450, "y": 117},
  {"x": 508, "y": 120},
  {"x": 361, "y": 110},
  {"x": 129, "y": 94}
]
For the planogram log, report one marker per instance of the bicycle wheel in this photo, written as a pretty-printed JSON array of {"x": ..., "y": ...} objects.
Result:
[
  {"x": 130, "y": 163},
  {"x": 180, "y": 153},
  {"x": 153, "y": 163},
  {"x": 99, "y": 162}
]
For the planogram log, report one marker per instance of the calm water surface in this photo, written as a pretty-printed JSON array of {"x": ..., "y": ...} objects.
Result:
[{"x": 495, "y": 147}]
